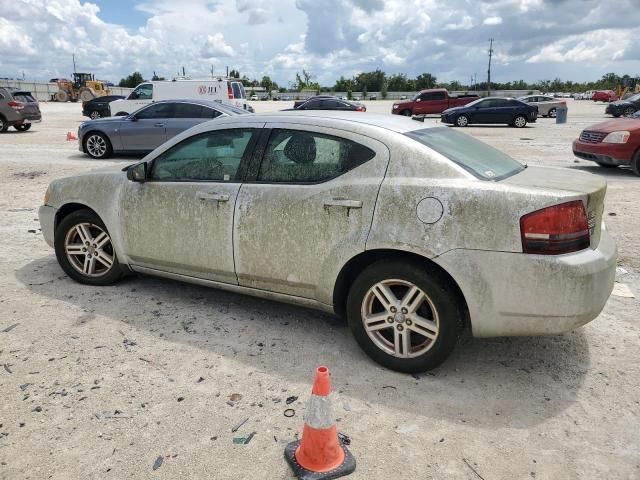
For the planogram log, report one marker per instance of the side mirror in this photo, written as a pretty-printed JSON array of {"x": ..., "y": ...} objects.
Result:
[{"x": 138, "y": 172}]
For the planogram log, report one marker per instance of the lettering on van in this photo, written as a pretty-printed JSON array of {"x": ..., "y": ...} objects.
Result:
[{"x": 206, "y": 90}]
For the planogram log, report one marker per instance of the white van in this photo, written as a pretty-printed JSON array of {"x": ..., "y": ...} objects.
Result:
[{"x": 230, "y": 92}]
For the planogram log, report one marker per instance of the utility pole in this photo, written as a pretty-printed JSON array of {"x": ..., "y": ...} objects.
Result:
[
  {"x": 73, "y": 56},
  {"x": 489, "y": 69}
]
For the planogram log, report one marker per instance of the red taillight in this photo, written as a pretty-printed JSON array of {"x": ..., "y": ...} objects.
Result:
[
  {"x": 359, "y": 109},
  {"x": 554, "y": 230},
  {"x": 16, "y": 105},
  {"x": 229, "y": 91}
]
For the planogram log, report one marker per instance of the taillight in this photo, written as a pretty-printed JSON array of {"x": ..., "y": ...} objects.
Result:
[
  {"x": 554, "y": 230},
  {"x": 359, "y": 109},
  {"x": 16, "y": 105},
  {"x": 229, "y": 91}
]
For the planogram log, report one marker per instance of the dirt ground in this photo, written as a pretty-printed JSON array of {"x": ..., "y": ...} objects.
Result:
[{"x": 108, "y": 382}]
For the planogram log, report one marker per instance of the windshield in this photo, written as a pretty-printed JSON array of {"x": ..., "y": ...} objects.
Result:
[{"x": 480, "y": 159}]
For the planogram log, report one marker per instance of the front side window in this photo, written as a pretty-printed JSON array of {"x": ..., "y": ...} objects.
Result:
[
  {"x": 212, "y": 156},
  {"x": 159, "y": 110},
  {"x": 142, "y": 92},
  {"x": 295, "y": 156},
  {"x": 482, "y": 160}
]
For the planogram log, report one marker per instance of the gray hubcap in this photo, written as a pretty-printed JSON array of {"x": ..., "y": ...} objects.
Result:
[
  {"x": 400, "y": 318},
  {"x": 94, "y": 115},
  {"x": 462, "y": 121},
  {"x": 520, "y": 122},
  {"x": 96, "y": 146},
  {"x": 89, "y": 249},
  {"x": 552, "y": 113}
]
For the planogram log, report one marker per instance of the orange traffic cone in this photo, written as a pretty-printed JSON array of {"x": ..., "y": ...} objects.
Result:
[
  {"x": 71, "y": 137},
  {"x": 319, "y": 455}
]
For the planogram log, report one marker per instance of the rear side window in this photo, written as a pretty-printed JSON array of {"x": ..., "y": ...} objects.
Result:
[
  {"x": 187, "y": 110},
  {"x": 295, "y": 156},
  {"x": 480, "y": 159}
]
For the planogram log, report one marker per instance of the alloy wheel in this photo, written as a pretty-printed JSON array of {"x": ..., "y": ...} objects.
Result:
[
  {"x": 89, "y": 249},
  {"x": 628, "y": 112},
  {"x": 96, "y": 146},
  {"x": 462, "y": 121},
  {"x": 94, "y": 115},
  {"x": 400, "y": 318},
  {"x": 520, "y": 122}
]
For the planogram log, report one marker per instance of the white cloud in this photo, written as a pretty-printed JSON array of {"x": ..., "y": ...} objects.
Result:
[
  {"x": 492, "y": 21},
  {"x": 465, "y": 24},
  {"x": 215, "y": 46}
]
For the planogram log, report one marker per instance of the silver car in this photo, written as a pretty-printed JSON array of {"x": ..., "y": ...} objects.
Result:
[
  {"x": 413, "y": 231},
  {"x": 547, "y": 106},
  {"x": 148, "y": 127}
]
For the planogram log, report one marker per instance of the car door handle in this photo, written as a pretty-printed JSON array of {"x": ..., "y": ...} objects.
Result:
[
  {"x": 343, "y": 202},
  {"x": 158, "y": 124},
  {"x": 212, "y": 197}
]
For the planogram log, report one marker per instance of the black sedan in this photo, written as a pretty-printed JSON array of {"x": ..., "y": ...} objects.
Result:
[
  {"x": 624, "y": 107},
  {"x": 149, "y": 127},
  {"x": 491, "y": 110},
  {"x": 99, "y": 106},
  {"x": 325, "y": 102}
]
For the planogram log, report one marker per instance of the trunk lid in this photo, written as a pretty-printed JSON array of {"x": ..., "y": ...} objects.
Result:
[{"x": 569, "y": 185}]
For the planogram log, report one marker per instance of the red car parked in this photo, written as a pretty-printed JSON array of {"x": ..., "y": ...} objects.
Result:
[
  {"x": 434, "y": 100},
  {"x": 604, "y": 96},
  {"x": 612, "y": 143}
]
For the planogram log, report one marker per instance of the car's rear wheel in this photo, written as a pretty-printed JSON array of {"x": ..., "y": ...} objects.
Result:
[
  {"x": 635, "y": 163},
  {"x": 85, "y": 251},
  {"x": 520, "y": 121},
  {"x": 4, "y": 126},
  {"x": 462, "y": 121},
  {"x": 404, "y": 317},
  {"x": 628, "y": 111},
  {"x": 23, "y": 127},
  {"x": 95, "y": 114},
  {"x": 552, "y": 113},
  {"x": 97, "y": 145}
]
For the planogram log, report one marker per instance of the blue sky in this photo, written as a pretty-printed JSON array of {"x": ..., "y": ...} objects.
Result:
[{"x": 534, "y": 39}]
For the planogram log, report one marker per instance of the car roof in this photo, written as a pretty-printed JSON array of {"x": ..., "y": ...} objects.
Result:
[
  {"x": 335, "y": 119},
  {"x": 207, "y": 103}
]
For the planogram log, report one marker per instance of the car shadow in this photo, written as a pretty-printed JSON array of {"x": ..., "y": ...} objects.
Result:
[
  {"x": 489, "y": 383},
  {"x": 622, "y": 171},
  {"x": 114, "y": 158}
]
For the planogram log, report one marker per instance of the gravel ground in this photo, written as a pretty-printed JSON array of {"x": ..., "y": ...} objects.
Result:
[{"x": 112, "y": 382}]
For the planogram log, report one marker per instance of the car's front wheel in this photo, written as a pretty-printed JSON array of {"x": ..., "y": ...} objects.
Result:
[
  {"x": 4, "y": 126},
  {"x": 628, "y": 111},
  {"x": 404, "y": 317},
  {"x": 462, "y": 121},
  {"x": 520, "y": 121},
  {"x": 85, "y": 251},
  {"x": 97, "y": 145}
]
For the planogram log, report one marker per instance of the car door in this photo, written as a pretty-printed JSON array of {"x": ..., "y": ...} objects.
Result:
[
  {"x": 144, "y": 130},
  {"x": 186, "y": 115},
  {"x": 181, "y": 219},
  {"x": 306, "y": 208},
  {"x": 482, "y": 112},
  {"x": 436, "y": 102},
  {"x": 503, "y": 110}
]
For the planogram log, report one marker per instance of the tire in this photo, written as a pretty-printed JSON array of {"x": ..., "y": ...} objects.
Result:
[
  {"x": 97, "y": 145},
  {"x": 520, "y": 121},
  {"x": 86, "y": 94},
  {"x": 628, "y": 112},
  {"x": 62, "y": 96},
  {"x": 439, "y": 303},
  {"x": 635, "y": 163},
  {"x": 462, "y": 121},
  {"x": 4, "y": 125},
  {"x": 616, "y": 115},
  {"x": 96, "y": 265},
  {"x": 94, "y": 114},
  {"x": 552, "y": 113},
  {"x": 22, "y": 127},
  {"x": 121, "y": 114},
  {"x": 406, "y": 113}
]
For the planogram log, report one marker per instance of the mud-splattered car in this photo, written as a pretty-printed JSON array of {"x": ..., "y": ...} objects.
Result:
[{"x": 413, "y": 231}]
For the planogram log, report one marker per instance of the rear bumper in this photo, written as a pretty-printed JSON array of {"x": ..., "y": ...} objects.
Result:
[
  {"x": 47, "y": 217},
  {"x": 608, "y": 153},
  {"x": 516, "y": 294}
]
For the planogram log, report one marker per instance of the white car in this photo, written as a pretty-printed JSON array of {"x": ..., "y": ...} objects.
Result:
[
  {"x": 412, "y": 230},
  {"x": 254, "y": 98}
]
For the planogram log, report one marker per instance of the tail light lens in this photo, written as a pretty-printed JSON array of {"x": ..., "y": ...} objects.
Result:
[
  {"x": 359, "y": 109},
  {"x": 229, "y": 91},
  {"x": 555, "y": 230},
  {"x": 16, "y": 105}
]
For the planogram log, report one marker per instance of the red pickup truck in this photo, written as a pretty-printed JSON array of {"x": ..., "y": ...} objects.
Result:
[{"x": 432, "y": 101}]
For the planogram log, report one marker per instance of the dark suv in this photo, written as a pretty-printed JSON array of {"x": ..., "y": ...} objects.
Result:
[
  {"x": 18, "y": 109},
  {"x": 99, "y": 106}
]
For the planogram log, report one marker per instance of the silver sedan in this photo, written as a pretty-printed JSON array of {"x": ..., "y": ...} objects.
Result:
[
  {"x": 413, "y": 231},
  {"x": 547, "y": 106}
]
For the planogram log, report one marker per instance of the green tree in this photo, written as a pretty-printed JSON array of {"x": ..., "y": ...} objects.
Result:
[
  {"x": 425, "y": 80},
  {"x": 132, "y": 80},
  {"x": 234, "y": 74}
]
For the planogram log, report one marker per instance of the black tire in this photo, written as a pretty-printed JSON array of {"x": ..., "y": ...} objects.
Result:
[
  {"x": 552, "y": 113},
  {"x": 22, "y": 127},
  {"x": 439, "y": 291},
  {"x": 607, "y": 165},
  {"x": 616, "y": 115},
  {"x": 406, "y": 113},
  {"x": 94, "y": 114},
  {"x": 520, "y": 121},
  {"x": 65, "y": 228},
  {"x": 121, "y": 114},
  {"x": 628, "y": 111},
  {"x": 4, "y": 125},
  {"x": 462, "y": 121},
  {"x": 92, "y": 138},
  {"x": 635, "y": 163}
]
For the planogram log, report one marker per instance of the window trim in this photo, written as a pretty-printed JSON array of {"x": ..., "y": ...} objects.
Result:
[
  {"x": 242, "y": 166},
  {"x": 268, "y": 132}
]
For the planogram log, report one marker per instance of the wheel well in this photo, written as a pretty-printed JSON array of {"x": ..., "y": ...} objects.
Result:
[
  {"x": 68, "y": 209},
  {"x": 358, "y": 263}
]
